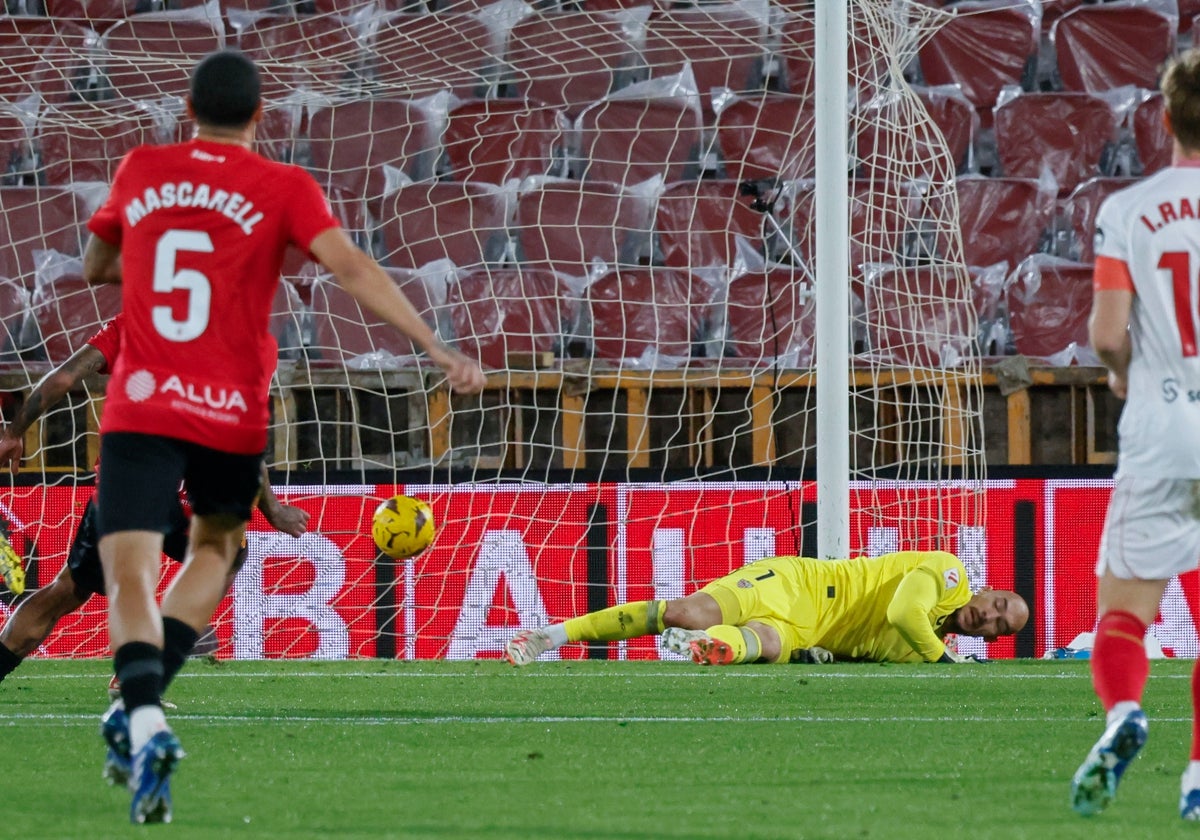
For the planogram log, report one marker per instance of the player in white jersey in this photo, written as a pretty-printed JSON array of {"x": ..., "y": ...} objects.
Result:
[{"x": 1144, "y": 327}]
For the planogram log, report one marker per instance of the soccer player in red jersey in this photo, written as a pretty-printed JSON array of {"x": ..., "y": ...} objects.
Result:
[
  {"x": 196, "y": 234},
  {"x": 82, "y": 576}
]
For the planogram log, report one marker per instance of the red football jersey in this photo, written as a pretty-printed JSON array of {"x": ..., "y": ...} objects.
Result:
[
  {"x": 108, "y": 341},
  {"x": 202, "y": 229}
]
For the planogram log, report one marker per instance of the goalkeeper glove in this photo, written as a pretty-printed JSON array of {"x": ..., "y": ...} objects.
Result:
[
  {"x": 950, "y": 656},
  {"x": 812, "y": 656}
]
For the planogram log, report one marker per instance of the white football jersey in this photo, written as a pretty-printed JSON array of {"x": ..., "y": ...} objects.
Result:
[{"x": 1154, "y": 228}]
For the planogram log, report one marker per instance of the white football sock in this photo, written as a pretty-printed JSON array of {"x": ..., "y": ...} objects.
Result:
[
  {"x": 1120, "y": 710},
  {"x": 144, "y": 721}
]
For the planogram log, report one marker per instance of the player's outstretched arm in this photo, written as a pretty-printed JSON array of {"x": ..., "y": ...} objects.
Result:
[
  {"x": 47, "y": 393},
  {"x": 909, "y": 611},
  {"x": 291, "y": 520},
  {"x": 370, "y": 285}
]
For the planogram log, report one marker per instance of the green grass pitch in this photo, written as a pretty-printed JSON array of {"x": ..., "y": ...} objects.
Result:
[{"x": 594, "y": 750}]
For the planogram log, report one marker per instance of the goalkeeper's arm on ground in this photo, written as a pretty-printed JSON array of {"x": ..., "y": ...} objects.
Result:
[{"x": 908, "y": 612}]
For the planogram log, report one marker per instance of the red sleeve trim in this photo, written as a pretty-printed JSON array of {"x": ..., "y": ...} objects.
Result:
[{"x": 1111, "y": 275}]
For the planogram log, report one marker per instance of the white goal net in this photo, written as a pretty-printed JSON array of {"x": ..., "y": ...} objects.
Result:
[{"x": 611, "y": 207}]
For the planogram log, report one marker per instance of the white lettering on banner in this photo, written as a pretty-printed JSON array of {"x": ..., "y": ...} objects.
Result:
[
  {"x": 757, "y": 543},
  {"x": 502, "y": 555},
  {"x": 252, "y": 606},
  {"x": 882, "y": 540},
  {"x": 1176, "y": 631},
  {"x": 666, "y": 553}
]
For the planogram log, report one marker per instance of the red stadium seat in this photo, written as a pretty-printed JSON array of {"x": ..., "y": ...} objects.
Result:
[
  {"x": 422, "y": 54},
  {"x": 768, "y": 137},
  {"x": 1082, "y": 206},
  {"x": 1069, "y": 135},
  {"x": 1000, "y": 220},
  {"x": 494, "y": 140},
  {"x": 1111, "y": 45},
  {"x": 497, "y": 312},
  {"x": 352, "y": 141},
  {"x": 85, "y": 141},
  {"x": 573, "y": 227},
  {"x": 1154, "y": 145},
  {"x": 770, "y": 319},
  {"x": 16, "y": 152},
  {"x": 67, "y": 311},
  {"x": 50, "y": 58},
  {"x": 931, "y": 138},
  {"x": 569, "y": 59},
  {"x": 698, "y": 224},
  {"x": 95, "y": 14},
  {"x": 627, "y": 141},
  {"x": 724, "y": 46},
  {"x": 634, "y": 311},
  {"x": 346, "y": 334},
  {"x": 917, "y": 317},
  {"x": 14, "y": 311},
  {"x": 867, "y": 66},
  {"x": 987, "y": 45},
  {"x": 465, "y": 223},
  {"x": 150, "y": 56},
  {"x": 37, "y": 219},
  {"x": 1049, "y": 302},
  {"x": 316, "y": 54},
  {"x": 881, "y": 224}
]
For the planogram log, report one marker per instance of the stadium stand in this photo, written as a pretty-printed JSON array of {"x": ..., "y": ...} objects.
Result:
[
  {"x": 574, "y": 228},
  {"x": 1150, "y": 136},
  {"x": 344, "y": 334},
  {"x": 770, "y": 319},
  {"x": 766, "y": 137},
  {"x": 899, "y": 299},
  {"x": 84, "y": 141},
  {"x": 653, "y": 316},
  {"x": 1049, "y": 300},
  {"x": 352, "y": 142},
  {"x": 495, "y": 313},
  {"x": 724, "y": 46},
  {"x": 569, "y": 59},
  {"x": 1070, "y": 135},
  {"x": 427, "y": 53},
  {"x": 987, "y": 46},
  {"x": 795, "y": 53},
  {"x": 64, "y": 311},
  {"x": 1109, "y": 45},
  {"x": 34, "y": 219},
  {"x": 16, "y": 151},
  {"x": 316, "y": 54},
  {"x": 698, "y": 224},
  {"x": 495, "y": 140},
  {"x": 1080, "y": 208},
  {"x": 1000, "y": 220},
  {"x": 628, "y": 141},
  {"x": 886, "y": 144},
  {"x": 49, "y": 58},
  {"x": 466, "y": 223},
  {"x": 150, "y": 56}
]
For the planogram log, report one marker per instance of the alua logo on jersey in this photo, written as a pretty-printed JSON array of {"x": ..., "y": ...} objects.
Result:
[{"x": 141, "y": 385}]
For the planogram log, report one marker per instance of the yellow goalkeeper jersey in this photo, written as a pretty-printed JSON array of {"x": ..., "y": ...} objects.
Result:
[{"x": 887, "y": 608}]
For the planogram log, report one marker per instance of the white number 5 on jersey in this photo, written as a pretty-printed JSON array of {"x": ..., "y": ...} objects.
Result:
[{"x": 167, "y": 279}]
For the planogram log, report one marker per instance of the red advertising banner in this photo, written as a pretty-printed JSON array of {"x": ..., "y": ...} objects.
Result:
[{"x": 508, "y": 556}]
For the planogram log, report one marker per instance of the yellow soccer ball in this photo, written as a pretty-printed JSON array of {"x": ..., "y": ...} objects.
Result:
[{"x": 403, "y": 527}]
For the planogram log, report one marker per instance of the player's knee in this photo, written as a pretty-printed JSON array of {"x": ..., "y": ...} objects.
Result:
[{"x": 692, "y": 613}]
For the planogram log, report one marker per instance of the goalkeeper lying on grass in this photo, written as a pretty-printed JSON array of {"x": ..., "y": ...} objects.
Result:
[{"x": 892, "y": 608}]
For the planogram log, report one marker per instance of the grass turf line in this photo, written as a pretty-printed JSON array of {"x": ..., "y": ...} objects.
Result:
[{"x": 598, "y": 750}]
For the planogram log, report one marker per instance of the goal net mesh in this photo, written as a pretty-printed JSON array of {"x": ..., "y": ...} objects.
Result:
[{"x": 612, "y": 208}]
